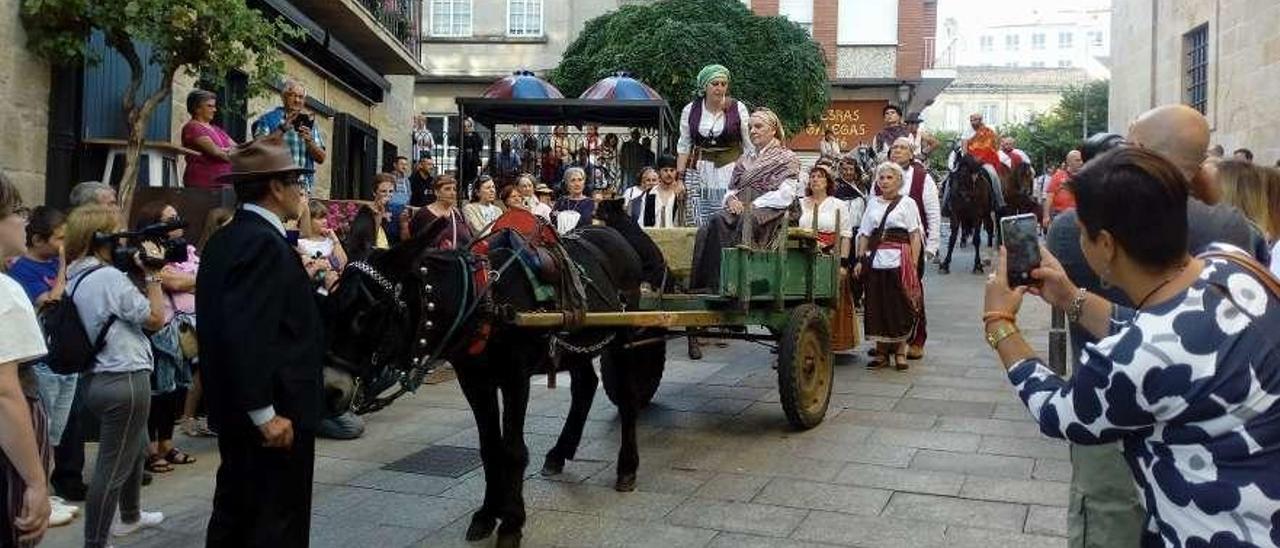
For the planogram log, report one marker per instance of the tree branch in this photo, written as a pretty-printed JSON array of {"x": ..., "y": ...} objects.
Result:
[{"x": 136, "y": 71}]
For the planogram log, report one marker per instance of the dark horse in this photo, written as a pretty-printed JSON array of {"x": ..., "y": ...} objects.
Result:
[
  {"x": 969, "y": 207},
  {"x": 392, "y": 315},
  {"x": 1018, "y": 190}
]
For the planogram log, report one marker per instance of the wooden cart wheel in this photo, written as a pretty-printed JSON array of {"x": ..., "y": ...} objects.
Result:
[{"x": 805, "y": 371}]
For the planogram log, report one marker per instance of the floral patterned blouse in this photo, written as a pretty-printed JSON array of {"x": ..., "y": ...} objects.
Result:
[{"x": 1190, "y": 388}]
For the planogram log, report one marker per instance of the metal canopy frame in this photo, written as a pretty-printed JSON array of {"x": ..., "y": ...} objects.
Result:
[{"x": 649, "y": 114}]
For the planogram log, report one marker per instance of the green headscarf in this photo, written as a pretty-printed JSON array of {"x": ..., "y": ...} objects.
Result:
[{"x": 709, "y": 73}]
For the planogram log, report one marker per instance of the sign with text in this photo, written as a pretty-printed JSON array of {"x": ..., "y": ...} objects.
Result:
[{"x": 853, "y": 122}]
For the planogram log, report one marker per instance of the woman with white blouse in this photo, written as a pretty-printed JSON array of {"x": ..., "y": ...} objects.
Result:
[
  {"x": 712, "y": 138},
  {"x": 823, "y": 213},
  {"x": 890, "y": 240},
  {"x": 484, "y": 210}
]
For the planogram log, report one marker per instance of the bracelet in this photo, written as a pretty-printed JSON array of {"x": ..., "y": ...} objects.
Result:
[
  {"x": 994, "y": 338},
  {"x": 152, "y": 279},
  {"x": 1077, "y": 306},
  {"x": 991, "y": 316}
]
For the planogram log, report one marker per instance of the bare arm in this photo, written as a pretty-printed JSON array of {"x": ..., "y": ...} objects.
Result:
[
  {"x": 18, "y": 442},
  {"x": 916, "y": 246},
  {"x": 206, "y": 146},
  {"x": 173, "y": 280}
]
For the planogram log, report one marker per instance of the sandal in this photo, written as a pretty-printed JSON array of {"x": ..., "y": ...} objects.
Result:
[
  {"x": 900, "y": 362},
  {"x": 176, "y": 456},
  {"x": 156, "y": 464},
  {"x": 875, "y": 364}
]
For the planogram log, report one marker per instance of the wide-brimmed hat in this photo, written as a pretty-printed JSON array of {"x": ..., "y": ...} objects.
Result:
[
  {"x": 543, "y": 189},
  {"x": 261, "y": 158},
  {"x": 914, "y": 119}
]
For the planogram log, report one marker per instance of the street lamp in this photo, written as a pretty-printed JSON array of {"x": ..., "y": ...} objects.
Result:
[{"x": 904, "y": 95}]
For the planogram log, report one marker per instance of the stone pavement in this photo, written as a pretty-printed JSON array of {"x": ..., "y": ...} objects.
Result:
[{"x": 943, "y": 454}]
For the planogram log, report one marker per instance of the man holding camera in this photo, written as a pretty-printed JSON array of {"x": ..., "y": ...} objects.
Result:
[
  {"x": 261, "y": 344},
  {"x": 303, "y": 138}
]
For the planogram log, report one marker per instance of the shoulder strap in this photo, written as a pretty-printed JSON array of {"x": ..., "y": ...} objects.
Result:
[
  {"x": 1250, "y": 265},
  {"x": 874, "y": 241},
  {"x": 101, "y": 341}
]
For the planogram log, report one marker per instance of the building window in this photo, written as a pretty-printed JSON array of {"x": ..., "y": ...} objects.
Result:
[
  {"x": 1064, "y": 63},
  {"x": 1037, "y": 64},
  {"x": 450, "y": 17},
  {"x": 1012, "y": 42},
  {"x": 987, "y": 43},
  {"x": 1095, "y": 38},
  {"x": 1037, "y": 40},
  {"x": 524, "y": 17},
  {"x": 1195, "y": 76},
  {"x": 989, "y": 112},
  {"x": 954, "y": 118},
  {"x": 799, "y": 12},
  {"x": 866, "y": 23},
  {"x": 1065, "y": 40}
]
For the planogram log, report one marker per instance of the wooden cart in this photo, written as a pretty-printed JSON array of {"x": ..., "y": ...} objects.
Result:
[{"x": 791, "y": 290}]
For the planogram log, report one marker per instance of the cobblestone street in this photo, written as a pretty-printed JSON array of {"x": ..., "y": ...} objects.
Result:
[{"x": 943, "y": 454}]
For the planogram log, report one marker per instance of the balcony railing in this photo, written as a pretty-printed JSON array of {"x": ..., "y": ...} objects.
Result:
[
  {"x": 401, "y": 18},
  {"x": 932, "y": 60}
]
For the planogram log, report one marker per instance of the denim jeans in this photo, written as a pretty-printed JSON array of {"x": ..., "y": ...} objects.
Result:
[{"x": 58, "y": 392}]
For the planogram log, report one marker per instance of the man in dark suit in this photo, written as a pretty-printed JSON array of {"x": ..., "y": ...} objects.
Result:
[{"x": 261, "y": 342}]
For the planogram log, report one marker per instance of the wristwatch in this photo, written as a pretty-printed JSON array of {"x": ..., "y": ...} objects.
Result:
[
  {"x": 152, "y": 279},
  {"x": 1000, "y": 333}
]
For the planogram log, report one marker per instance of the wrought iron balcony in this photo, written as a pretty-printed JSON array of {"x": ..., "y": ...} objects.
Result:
[{"x": 400, "y": 18}]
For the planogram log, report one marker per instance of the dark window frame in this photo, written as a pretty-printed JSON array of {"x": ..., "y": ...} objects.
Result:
[{"x": 1195, "y": 74}]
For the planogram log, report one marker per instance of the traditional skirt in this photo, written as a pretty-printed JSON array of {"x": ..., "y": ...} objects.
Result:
[
  {"x": 844, "y": 325},
  {"x": 724, "y": 229},
  {"x": 893, "y": 301}
]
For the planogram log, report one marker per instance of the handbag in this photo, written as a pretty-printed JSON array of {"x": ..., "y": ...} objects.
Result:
[
  {"x": 1250, "y": 265},
  {"x": 874, "y": 241}
]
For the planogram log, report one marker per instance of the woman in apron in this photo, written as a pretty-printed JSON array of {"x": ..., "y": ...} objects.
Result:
[{"x": 712, "y": 137}]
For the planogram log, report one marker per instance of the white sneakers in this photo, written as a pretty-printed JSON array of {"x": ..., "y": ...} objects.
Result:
[
  {"x": 61, "y": 513},
  {"x": 147, "y": 519}
]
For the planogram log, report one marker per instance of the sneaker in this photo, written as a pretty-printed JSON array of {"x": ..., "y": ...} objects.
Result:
[
  {"x": 145, "y": 519},
  {"x": 59, "y": 516},
  {"x": 196, "y": 428},
  {"x": 73, "y": 491},
  {"x": 58, "y": 502}
]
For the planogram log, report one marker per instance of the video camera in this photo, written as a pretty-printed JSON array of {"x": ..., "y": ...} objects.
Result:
[{"x": 127, "y": 245}]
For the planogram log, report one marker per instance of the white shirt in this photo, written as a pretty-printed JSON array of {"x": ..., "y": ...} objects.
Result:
[
  {"x": 22, "y": 340},
  {"x": 630, "y": 194},
  {"x": 540, "y": 209},
  {"x": 1275, "y": 259},
  {"x": 712, "y": 124},
  {"x": 1008, "y": 162},
  {"x": 664, "y": 204},
  {"x": 782, "y": 198},
  {"x": 932, "y": 209},
  {"x": 827, "y": 213},
  {"x": 903, "y": 216}
]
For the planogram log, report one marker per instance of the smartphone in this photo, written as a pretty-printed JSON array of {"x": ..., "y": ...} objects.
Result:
[
  {"x": 303, "y": 120},
  {"x": 1022, "y": 245}
]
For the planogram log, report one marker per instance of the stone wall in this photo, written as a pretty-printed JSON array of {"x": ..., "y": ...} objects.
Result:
[
  {"x": 866, "y": 62},
  {"x": 1244, "y": 63},
  {"x": 24, "y": 108}
]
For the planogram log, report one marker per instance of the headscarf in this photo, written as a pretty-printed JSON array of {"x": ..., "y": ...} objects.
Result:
[{"x": 709, "y": 73}]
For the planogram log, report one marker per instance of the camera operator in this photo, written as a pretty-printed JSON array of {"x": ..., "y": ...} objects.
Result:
[
  {"x": 302, "y": 137},
  {"x": 119, "y": 383},
  {"x": 172, "y": 375}
]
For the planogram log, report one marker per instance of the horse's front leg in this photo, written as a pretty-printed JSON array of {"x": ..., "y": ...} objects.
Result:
[
  {"x": 945, "y": 267},
  {"x": 515, "y": 404},
  {"x": 482, "y": 396},
  {"x": 619, "y": 377},
  {"x": 582, "y": 388},
  {"x": 977, "y": 248}
]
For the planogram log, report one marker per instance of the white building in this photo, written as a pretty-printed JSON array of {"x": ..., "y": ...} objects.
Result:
[{"x": 1031, "y": 35}]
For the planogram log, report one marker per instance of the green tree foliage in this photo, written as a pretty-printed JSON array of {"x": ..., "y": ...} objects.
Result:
[
  {"x": 1048, "y": 137},
  {"x": 774, "y": 62},
  {"x": 196, "y": 36}
]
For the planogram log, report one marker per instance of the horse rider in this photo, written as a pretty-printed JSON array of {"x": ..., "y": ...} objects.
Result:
[
  {"x": 893, "y": 129},
  {"x": 1011, "y": 157},
  {"x": 923, "y": 141},
  {"x": 982, "y": 143}
]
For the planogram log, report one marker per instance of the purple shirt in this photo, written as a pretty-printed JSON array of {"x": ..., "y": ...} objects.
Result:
[{"x": 203, "y": 170}]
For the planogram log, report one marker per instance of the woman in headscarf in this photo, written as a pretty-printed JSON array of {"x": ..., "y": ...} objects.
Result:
[
  {"x": 762, "y": 188},
  {"x": 890, "y": 239},
  {"x": 833, "y": 220},
  {"x": 711, "y": 140}
]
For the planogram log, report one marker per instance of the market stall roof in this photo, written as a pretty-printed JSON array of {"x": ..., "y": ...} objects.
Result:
[
  {"x": 620, "y": 87},
  {"x": 654, "y": 114},
  {"x": 522, "y": 84}
]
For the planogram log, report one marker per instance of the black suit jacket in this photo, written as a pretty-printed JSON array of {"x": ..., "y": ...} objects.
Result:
[{"x": 261, "y": 337}]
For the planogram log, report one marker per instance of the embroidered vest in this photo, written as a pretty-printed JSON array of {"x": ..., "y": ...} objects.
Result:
[{"x": 729, "y": 137}]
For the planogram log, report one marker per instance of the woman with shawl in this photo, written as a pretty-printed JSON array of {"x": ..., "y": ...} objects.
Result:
[{"x": 763, "y": 187}]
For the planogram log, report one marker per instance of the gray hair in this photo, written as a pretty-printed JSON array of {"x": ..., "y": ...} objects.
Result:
[
  {"x": 893, "y": 167},
  {"x": 570, "y": 172},
  {"x": 196, "y": 98},
  {"x": 87, "y": 192},
  {"x": 291, "y": 83}
]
